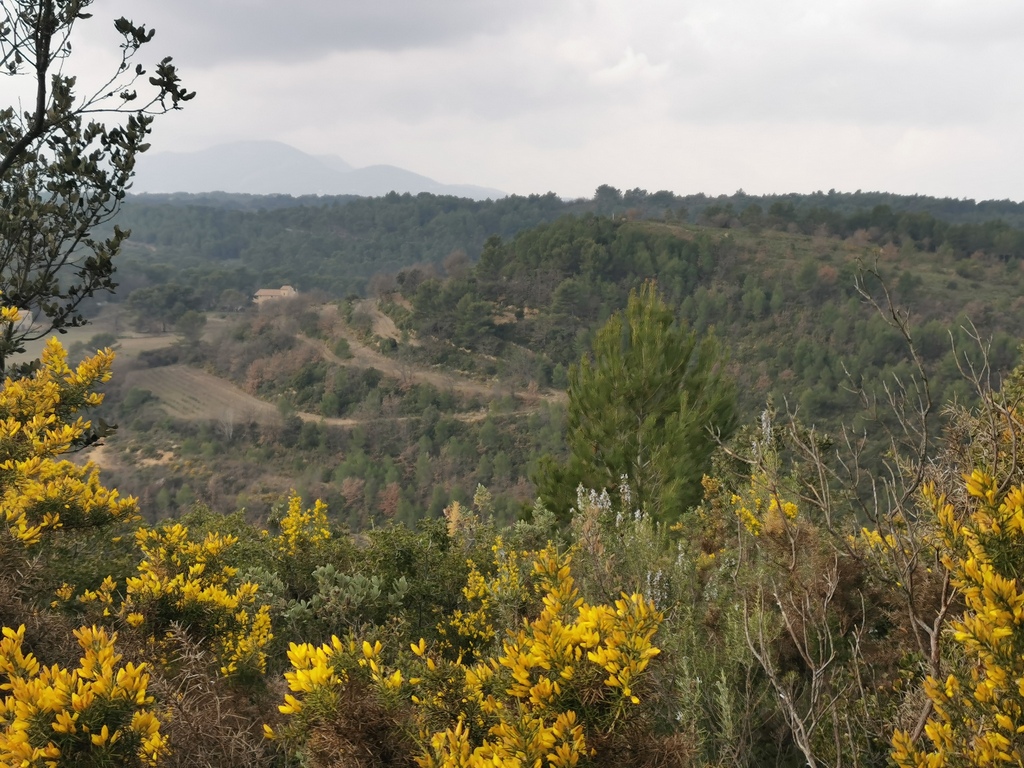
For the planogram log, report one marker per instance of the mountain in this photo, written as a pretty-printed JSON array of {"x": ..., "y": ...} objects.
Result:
[
  {"x": 335, "y": 162},
  {"x": 270, "y": 167}
]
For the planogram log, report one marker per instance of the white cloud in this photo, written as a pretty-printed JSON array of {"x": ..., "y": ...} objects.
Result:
[{"x": 630, "y": 68}]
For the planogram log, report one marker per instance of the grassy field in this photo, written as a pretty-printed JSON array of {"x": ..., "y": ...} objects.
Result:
[{"x": 112, "y": 319}]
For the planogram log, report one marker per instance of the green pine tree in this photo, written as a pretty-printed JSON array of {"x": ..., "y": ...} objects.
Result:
[{"x": 646, "y": 406}]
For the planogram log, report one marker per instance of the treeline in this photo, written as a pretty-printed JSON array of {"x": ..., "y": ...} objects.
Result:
[
  {"x": 334, "y": 244},
  {"x": 839, "y": 205},
  {"x": 881, "y": 224},
  {"x": 217, "y": 242}
]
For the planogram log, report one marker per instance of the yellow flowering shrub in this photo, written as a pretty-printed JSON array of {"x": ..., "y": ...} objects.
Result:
[
  {"x": 561, "y": 684},
  {"x": 343, "y": 702},
  {"x": 302, "y": 530},
  {"x": 761, "y": 507},
  {"x": 94, "y": 715},
  {"x": 185, "y": 581},
  {"x": 39, "y": 421},
  {"x": 978, "y": 710},
  {"x": 493, "y": 601}
]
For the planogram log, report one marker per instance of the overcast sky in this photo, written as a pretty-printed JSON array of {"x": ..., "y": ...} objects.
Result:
[{"x": 911, "y": 96}]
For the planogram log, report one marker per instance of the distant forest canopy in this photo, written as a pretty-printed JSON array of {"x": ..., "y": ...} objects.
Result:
[
  {"x": 609, "y": 200},
  {"x": 222, "y": 241}
]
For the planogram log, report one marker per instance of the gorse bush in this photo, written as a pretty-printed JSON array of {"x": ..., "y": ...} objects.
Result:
[
  {"x": 182, "y": 582},
  {"x": 97, "y": 714},
  {"x": 40, "y": 420},
  {"x": 978, "y": 709},
  {"x": 302, "y": 530},
  {"x": 565, "y": 687}
]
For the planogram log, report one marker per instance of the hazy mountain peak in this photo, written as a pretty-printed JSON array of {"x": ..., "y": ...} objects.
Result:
[
  {"x": 271, "y": 167},
  {"x": 335, "y": 162}
]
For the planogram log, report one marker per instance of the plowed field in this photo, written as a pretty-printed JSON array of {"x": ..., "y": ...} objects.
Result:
[{"x": 190, "y": 394}]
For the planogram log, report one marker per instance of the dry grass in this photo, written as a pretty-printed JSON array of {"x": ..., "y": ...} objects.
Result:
[
  {"x": 364, "y": 734},
  {"x": 208, "y": 724}
]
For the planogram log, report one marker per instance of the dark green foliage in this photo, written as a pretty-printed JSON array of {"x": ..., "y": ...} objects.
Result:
[
  {"x": 161, "y": 306},
  {"x": 645, "y": 410},
  {"x": 432, "y": 564},
  {"x": 190, "y": 325},
  {"x": 330, "y": 244}
]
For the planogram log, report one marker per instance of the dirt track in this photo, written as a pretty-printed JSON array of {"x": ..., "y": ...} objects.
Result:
[{"x": 364, "y": 356}]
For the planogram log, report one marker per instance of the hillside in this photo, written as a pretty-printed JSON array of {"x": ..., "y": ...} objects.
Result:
[
  {"x": 396, "y": 405},
  {"x": 217, "y": 242},
  {"x": 448, "y": 387},
  {"x": 787, "y": 305}
]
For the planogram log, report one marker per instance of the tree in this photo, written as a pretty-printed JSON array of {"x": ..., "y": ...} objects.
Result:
[
  {"x": 645, "y": 408},
  {"x": 161, "y": 305},
  {"x": 64, "y": 172},
  {"x": 190, "y": 325}
]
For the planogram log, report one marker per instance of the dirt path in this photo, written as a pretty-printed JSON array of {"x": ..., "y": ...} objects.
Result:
[
  {"x": 364, "y": 356},
  {"x": 381, "y": 324},
  {"x": 194, "y": 395}
]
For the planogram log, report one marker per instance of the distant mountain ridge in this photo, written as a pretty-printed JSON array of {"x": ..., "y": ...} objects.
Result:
[{"x": 273, "y": 168}]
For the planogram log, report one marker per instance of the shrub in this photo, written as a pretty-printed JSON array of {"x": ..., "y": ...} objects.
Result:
[{"x": 94, "y": 715}]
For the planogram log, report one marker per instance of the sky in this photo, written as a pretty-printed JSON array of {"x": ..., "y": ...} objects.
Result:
[{"x": 531, "y": 96}]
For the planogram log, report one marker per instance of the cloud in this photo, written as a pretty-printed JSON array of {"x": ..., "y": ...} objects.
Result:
[{"x": 217, "y": 31}]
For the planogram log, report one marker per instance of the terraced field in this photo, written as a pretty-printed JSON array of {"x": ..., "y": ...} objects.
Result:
[{"x": 193, "y": 395}]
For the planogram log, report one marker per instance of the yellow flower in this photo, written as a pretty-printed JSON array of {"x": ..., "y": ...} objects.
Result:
[
  {"x": 302, "y": 529},
  {"x": 90, "y": 709},
  {"x": 978, "y": 713}
]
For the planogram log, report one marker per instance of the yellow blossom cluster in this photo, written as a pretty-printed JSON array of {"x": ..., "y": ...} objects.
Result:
[
  {"x": 302, "y": 529},
  {"x": 869, "y": 539},
  {"x": 574, "y": 670},
  {"x": 39, "y": 421},
  {"x": 978, "y": 715},
  {"x": 317, "y": 676},
  {"x": 761, "y": 508},
  {"x": 185, "y": 581},
  {"x": 95, "y": 714},
  {"x": 102, "y": 596},
  {"x": 505, "y": 591}
]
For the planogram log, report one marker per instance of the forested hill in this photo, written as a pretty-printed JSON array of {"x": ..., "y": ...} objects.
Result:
[
  {"x": 332, "y": 244},
  {"x": 512, "y": 321},
  {"x": 786, "y": 305},
  {"x": 243, "y": 242},
  {"x": 609, "y": 200}
]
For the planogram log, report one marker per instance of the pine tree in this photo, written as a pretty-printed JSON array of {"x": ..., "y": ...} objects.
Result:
[{"x": 645, "y": 409}]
